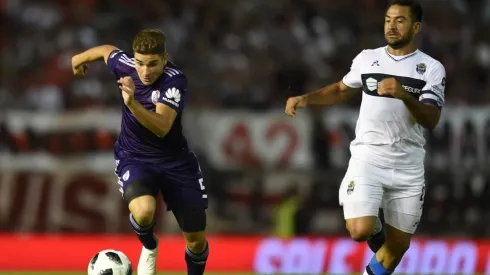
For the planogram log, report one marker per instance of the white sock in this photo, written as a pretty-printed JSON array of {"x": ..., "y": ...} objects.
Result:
[
  {"x": 378, "y": 227},
  {"x": 365, "y": 272}
]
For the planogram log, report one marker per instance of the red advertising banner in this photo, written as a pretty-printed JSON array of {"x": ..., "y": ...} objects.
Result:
[
  {"x": 257, "y": 254},
  {"x": 244, "y": 139},
  {"x": 65, "y": 202}
]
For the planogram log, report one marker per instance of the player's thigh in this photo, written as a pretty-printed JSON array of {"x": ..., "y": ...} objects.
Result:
[
  {"x": 404, "y": 201},
  {"x": 361, "y": 190},
  {"x": 136, "y": 180},
  {"x": 188, "y": 204},
  {"x": 185, "y": 195}
]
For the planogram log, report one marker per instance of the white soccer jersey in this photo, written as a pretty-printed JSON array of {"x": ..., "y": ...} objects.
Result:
[{"x": 386, "y": 133}]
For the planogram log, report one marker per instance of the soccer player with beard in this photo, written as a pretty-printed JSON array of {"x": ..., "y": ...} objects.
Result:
[
  {"x": 403, "y": 93},
  {"x": 151, "y": 153}
]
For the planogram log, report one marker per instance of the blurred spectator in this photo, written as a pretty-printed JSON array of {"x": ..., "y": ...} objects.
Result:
[
  {"x": 238, "y": 53},
  {"x": 285, "y": 222}
]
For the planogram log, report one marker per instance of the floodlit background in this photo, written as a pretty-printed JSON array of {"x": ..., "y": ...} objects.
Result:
[{"x": 266, "y": 175}]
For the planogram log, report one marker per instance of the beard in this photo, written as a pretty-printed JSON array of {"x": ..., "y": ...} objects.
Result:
[{"x": 400, "y": 43}]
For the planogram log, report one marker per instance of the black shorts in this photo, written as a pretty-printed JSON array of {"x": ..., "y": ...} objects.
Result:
[{"x": 182, "y": 188}]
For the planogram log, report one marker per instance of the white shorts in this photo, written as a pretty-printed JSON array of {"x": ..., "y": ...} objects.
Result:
[{"x": 366, "y": 188}]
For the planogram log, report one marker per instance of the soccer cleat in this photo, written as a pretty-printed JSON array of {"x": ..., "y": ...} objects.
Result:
[
  {"x": 377, "y": 240},
  {"x": 148, "y": 261}
]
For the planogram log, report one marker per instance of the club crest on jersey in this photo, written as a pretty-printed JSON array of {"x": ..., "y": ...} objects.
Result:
[
  {"x": 155, "y": 95},
  {"x": 421, "y": 68},
  {"x": 350, "y": 187}
]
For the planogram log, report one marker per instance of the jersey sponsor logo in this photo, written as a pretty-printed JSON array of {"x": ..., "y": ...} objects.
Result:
[
  {"x": 421, "y": 68},
  {"x": 411, "y": 89},
  {"x": 155, "y": 95},
  {"x": 172, "y": 96},
  {"x": 371, "y": 83}
]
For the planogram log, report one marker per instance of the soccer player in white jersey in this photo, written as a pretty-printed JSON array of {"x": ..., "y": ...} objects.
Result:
[{"x": 403, "y": 93}]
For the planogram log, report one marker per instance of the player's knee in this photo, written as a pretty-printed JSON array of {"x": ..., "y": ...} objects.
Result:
[
  {"x": 197, "y": 246},
  {"x": 360, "y": 234},
  {"x": 143, "y": 216},
  {"x": 196, "y": 241},
  {"x": 143, "y": 210},
  {"x": 360, "y": 229}
]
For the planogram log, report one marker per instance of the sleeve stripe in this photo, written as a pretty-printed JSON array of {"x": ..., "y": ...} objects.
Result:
[
  {"x": 175, "y": 71},
  {"x": 172, "y": 72},
  {"x": 431, "y": 101},
  {"x": 127, "y": 63},
  {"x": 428, "y": 96},
  {"x": 114, "y": 53},
  {"x": 431, "y": 94},
  {"x": 125, "y": 58}
]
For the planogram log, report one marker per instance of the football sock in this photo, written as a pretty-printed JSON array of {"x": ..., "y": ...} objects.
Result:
[
  {"x": 376, "y": 268},
  {"x": 145, "y": 234},
  {"x": 196, "y": 262}
]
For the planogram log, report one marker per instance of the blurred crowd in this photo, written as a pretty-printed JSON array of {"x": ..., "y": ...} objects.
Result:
[
  {"x": 236, "y": 53},
  {"x": 248, "y": 54}
]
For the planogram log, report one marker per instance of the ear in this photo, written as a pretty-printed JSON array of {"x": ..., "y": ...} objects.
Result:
[
  {"x": 165, "y": 58},
  {"x": 417, "y": 26}
]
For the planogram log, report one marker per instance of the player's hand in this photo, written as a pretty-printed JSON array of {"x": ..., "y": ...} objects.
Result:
[
  {"x": 294, "y": 103},
  {"x": 78, "y": 67},
  {"x": 390, "y": 86},
  {"x": 126, "y": 85}
]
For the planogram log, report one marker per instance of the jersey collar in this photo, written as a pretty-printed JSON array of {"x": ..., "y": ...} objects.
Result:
[{"x": 400, "y": 57}]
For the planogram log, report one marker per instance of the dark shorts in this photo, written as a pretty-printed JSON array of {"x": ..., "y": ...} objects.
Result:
[{"x": 181, "y": 185}]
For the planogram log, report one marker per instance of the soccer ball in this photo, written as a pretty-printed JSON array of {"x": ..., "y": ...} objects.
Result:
[{"x": 110, "y": 262}]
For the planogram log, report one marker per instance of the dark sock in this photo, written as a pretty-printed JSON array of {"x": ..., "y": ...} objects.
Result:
[
  {"x": 196, "y": 263},
  {"x": 145, "y": 234}
]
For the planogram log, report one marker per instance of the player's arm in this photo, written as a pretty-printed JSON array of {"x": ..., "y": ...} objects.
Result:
[
  {"x": 335, "y": 93},
  {"x": 169, "y": 104},
  {"x": 426, "y": 114},
  {"x": 427, "y": 108},
  {"x": 332, "y": 94},
  {"x": 159, "y": 122},
  {"x": 99, "y": 53}
]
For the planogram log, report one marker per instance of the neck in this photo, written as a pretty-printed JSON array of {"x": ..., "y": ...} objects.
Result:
[{"x": 408, "y": 49}]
